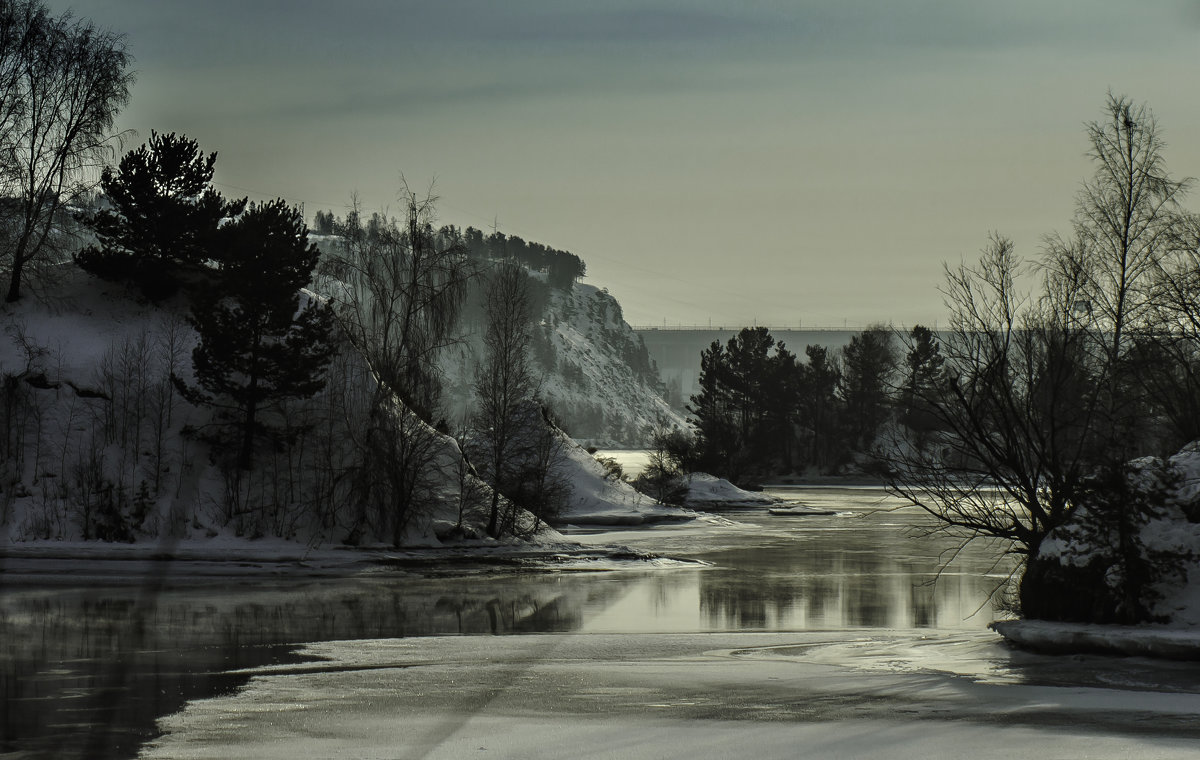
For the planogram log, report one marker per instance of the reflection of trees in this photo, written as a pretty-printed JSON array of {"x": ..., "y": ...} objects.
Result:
[
  {"x": 737, "y": 601},
  {"x": 109, "y": 665},
  {"x": 922, "y": 605},
  {"x": 846, "y": 581}
]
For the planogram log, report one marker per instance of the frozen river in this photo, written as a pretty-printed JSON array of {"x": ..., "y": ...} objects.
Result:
[{"x": 800, "y": 637}]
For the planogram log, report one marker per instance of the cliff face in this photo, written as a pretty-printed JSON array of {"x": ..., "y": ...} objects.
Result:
[
  {"x": 603, "y": 385},
  {"x": 595, "y": 373}
]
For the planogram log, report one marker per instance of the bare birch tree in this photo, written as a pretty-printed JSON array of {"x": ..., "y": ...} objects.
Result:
[
  {"x": 62, "y": 82},
  {"x": 1044, "y": 401},
  {"x": 504, "y": 387}
]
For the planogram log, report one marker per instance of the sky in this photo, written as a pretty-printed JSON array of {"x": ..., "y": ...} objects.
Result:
[{"x": 779, "y": 162}]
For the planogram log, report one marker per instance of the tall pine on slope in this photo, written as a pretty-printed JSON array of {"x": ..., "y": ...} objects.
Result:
[
  {"x": 259, "y": 341},
  {"x": 164, "y": 212}
]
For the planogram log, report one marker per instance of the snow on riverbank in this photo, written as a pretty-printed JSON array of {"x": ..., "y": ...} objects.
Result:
[
  {"x": 1134, "y": 641},
  {"x": 708, "y": 491},
  {"x": 1079, "y": 570},
  {"x": 598, "y": 498}
]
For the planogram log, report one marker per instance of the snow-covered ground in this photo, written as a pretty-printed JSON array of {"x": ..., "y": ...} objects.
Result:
[
  {"x": 1166, "y": 642},
  {"x": 604, "y": 500},
  {"x": 599, "y": 499},
  {"x": 708, "y": 491},
  {"x": 1169, "y": 537}
]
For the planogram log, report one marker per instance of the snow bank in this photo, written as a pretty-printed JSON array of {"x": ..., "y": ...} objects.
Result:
[
  {"x": 1078, "y": 571},
  {"x": 597, "y": 499},
  {"x": 708, "y": 491},
  {"x": 1063, "y": 638}
]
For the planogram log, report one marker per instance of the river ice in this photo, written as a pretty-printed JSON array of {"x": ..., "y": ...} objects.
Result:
[{"x": 900, "y": 694}]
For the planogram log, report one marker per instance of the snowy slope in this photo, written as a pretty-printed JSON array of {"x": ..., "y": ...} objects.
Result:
[
  {"x": 104, "y": 447},
  {"x": 603, "y": 384},
  {"x": 593, "y": 371},
  {"x": 708, "y": 491},
  {"x": 99, "y": 445},
  {"x": 599, "y": 500}
]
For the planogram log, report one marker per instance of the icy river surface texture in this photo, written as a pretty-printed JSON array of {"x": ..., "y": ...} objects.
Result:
[{"x": 850, "y": 635}]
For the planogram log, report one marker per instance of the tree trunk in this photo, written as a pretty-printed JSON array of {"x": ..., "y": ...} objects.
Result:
[{"x": 14, "y": 283}]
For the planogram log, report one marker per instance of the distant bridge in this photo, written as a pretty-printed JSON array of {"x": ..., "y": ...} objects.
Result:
[{"x": 676, "y": 349}]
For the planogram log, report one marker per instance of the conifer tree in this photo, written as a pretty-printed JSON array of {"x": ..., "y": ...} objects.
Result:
[
  {"x": 923, "y": 382},
  {"x": 164, "y": 211},
  {"x": 868, "y": 364},
  {"x": 818, "y": 406},
  {"x": 745, "y": 408},
  {"x": 259, "y": 342}
]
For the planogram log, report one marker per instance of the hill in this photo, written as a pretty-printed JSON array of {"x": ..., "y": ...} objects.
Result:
[{"x": 97, "y": 444}]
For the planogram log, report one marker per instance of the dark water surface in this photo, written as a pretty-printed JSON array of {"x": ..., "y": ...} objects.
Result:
[{"x": 86, "y": 673}]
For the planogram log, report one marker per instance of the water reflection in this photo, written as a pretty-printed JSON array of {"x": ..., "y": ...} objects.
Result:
[
  {"x": 86, "y": 673},
  {"x": 867, "y": 566}
]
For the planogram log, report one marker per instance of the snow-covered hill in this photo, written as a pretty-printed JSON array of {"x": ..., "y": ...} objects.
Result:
[
  {"x": 594, "y": 371},
  {"x": 604, "y": 386},
  {"x": 96, "y": 444}
]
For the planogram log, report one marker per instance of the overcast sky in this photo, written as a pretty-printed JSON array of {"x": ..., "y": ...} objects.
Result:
[{"x": 772, "y": 161}]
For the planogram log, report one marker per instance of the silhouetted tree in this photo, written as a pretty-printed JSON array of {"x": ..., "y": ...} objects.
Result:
[
  {"x": 397, "y": 299},
  {"x": 1020, "y": 416},
  {"x": 868, "y": 364},
  {"x": 818, "y": 407},
  {"x": 924, "y": 379},
  {"x": 62, "y": 82},
  {"x": 164, "y": 211},
  {"x": 261, "y": 340},
  {"x": 745, "y": 408},
  {"x": 323, "y": 223}
]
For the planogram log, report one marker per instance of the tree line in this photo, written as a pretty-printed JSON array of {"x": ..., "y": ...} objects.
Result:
[
  {"x": 760, "y": 410},
  {"x": 563, "y": 268}
]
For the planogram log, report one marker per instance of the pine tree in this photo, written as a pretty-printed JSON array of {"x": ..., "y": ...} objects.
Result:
[
  {"x": 164, "y": 213},
  {"x": 819, "y": 408},
  {"x": 924, "y": 381},
  {"x": 745, "y": 409},
  {"x": 259, "y": 342},
  {"x": 868, "y": 364}
]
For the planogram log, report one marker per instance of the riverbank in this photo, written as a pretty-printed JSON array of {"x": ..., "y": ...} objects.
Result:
[{"x": 1157, "y": 641}]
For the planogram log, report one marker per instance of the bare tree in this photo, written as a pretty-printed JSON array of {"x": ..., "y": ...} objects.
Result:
[
  {"x": 1017, "y": 419},
  {"x": 504, "y": 386},
  {"x": 397, "y": 298},
  {"x": 1126, "y": 222},
  {"x": 62, "y": 82},
  {"x": 1045, "y": 397}
]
